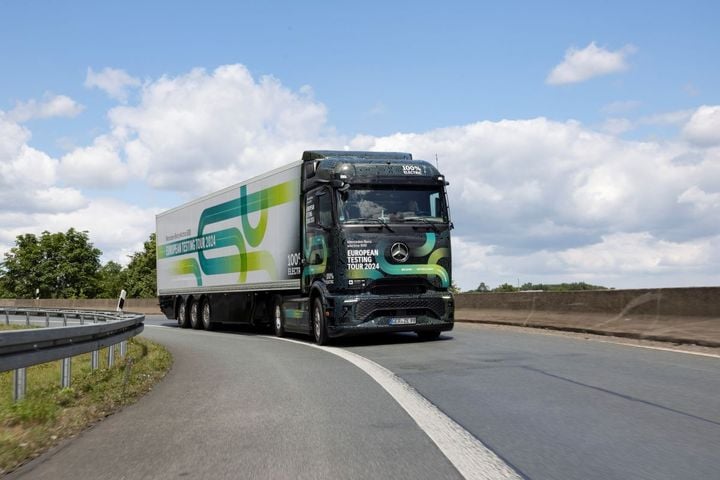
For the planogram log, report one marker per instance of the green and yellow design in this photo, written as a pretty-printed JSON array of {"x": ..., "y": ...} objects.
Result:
[{"x": 243, "y": 239}]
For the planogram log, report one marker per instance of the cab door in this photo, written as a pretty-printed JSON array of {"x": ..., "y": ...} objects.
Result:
[{"x": 318, "y": 223}]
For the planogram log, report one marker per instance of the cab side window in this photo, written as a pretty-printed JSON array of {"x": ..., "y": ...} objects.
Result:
[{"x": 324, "y": 208}]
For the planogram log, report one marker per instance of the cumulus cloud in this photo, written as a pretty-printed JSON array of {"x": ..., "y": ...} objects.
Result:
[
  {"x": 524, "y": 191},
  {"x": 592, "y": 61},
  {"x": 703, "y": 128},
  {"x": 534, "y": 199},
  {"x": 28, "y": 179},
  {"x": 96, "y": 166},
  {"x": 114, "y": 82},
  {"x": 201, "y": 131},
  {"x": 51, "y": 106}
]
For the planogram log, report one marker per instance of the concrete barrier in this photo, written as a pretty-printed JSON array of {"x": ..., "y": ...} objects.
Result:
[
  {"x": 147, "y": 306},
  {"x": 682, "y": 315}
]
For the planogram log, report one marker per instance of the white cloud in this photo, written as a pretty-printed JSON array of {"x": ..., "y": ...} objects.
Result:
[
  {"x": 531, "y": 199},
  {"x": 51, "y": 106},
  {"x": 96, "y": 166},
  {"x": 114, "y": 82},
  {"x": 617, "y": 126},
  {"x": 202, "y": 131},
  {"x": 524, "y": 190},
  {"x": 591, "y": 61},
  {"x": 28, "y": 179},
  {"x": 704, "y": 126},
  {"x": 700, "y": 199}
]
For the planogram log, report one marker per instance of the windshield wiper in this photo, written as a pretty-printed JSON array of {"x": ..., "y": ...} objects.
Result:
[
  {"x": 424, "y": 220},
  {"x": 381, "y": 221}
]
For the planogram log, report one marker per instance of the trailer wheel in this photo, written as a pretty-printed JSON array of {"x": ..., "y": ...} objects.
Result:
[
  {"x": 278, "y": 317},
  {"x": 319, "y": 326},
  {"x": 182, "y": 317},
  {"x": 206, "y": 313},
  {"x": 195, "y": 321}
]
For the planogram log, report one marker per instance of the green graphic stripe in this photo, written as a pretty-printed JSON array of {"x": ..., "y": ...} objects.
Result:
[
  {"x": 244, "y": 261},
  {"x": 438, "y": 254},
  {"x": 317, "y": 242},
  {"x": 246, "y": 204},
  {"x": 292, "y": 313},
  {"x": 188, "y": 266},
  {"x": 426, "y": 247},
  {"x": 436, "y": 270}
]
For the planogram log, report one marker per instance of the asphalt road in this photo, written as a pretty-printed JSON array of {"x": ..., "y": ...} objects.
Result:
[{"x": 241, "y": 405}]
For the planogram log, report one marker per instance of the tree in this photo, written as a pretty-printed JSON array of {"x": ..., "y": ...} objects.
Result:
[
  {"x": 505, "y": 287},
  {"x": 59, "y": 265},
  {"x": 141, "y": 279},
  {"x": 111, "y": 280},
  {"x": 482, "y": 288},
  {"x": 454, "y": 289}
]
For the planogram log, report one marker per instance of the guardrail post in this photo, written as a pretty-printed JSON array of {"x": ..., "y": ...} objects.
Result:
[
  {"x": 7, "y": 317},
  {"x": 94, "y": 359},
  {"x": 82, "y": 319},
  {"x": 64, "y": 319},
  {"x": 111, "y": 356},
  {"x": 47, "y": 319},
  {"x": 66, "y": 373},
  {"x": 123, "y": 349},
  {"x": 19, "y": 384},
  {"x": 27, "y": 318}
]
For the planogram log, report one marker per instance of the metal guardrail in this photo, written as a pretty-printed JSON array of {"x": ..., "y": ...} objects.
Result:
[{"x": 23, "y": 348}]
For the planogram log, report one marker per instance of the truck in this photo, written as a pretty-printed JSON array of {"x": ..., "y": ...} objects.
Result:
[{"x": 337, "y": 243}]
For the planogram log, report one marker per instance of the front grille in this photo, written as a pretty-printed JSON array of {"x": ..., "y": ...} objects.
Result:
[{"x": 367, "y": 309}]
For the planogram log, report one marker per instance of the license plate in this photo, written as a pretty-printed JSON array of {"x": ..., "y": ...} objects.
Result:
[{"x": 403, "y": 321}]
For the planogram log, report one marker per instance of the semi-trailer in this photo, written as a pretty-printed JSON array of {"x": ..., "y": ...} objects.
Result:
[{"x": 337, "y": 243}]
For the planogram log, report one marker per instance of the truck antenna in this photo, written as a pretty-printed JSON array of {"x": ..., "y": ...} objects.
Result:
[{"x": 437, "y": 164}]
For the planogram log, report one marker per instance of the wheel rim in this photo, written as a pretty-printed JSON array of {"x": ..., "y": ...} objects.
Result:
[
  {"x": 193, "y": 313},
  {"x": 206, "y": 314},
  {"x": 278, "y": 318},
  {"x": 316, "y": 323},
  {"x": 181, "y": 314}
]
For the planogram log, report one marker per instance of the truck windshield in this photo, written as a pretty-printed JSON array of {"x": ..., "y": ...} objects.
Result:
[{"x": 383, "y": 204}]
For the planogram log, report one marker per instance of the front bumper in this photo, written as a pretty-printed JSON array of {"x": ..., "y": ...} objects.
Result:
[{"x": 368, "y": 313}]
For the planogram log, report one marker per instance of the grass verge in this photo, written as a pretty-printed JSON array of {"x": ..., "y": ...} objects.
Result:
[{"x": 49, "y": 414}]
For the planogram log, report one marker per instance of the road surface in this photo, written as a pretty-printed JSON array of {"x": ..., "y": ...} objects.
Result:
[{"x": 237, "y": 404}]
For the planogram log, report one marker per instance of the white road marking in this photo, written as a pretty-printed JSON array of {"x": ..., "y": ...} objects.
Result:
[
  {"x": 468, "y": 454},
  {"x": 593, "y": 338},
  {"x": 662, "y": 349}
]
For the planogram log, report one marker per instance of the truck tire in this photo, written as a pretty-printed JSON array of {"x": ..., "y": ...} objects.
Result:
[
  {"x": 428, "y": 334},
  {"x": 182, "y": 315},
  {"x": 195, "y": 321},
  {"x": 206, "y": 315},
  {"x": 278, "y": 317},
  {"x": 318, "y": 322}
]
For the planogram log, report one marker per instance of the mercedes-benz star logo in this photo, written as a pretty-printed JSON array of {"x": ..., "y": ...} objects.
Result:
[{"x": 399, "y": 252}]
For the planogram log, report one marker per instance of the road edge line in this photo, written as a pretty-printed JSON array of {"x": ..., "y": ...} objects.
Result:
[{"x": 467, "y": 454}]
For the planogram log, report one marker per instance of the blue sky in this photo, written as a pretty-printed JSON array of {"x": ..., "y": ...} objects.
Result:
[{"x": 639, "y": 95}]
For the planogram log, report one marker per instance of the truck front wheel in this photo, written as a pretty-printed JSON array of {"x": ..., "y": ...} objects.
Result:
[{"x": 319, "y": 326}]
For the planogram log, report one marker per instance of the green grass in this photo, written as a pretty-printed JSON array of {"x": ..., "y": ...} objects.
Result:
[{"x": 49, "y": 414}]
